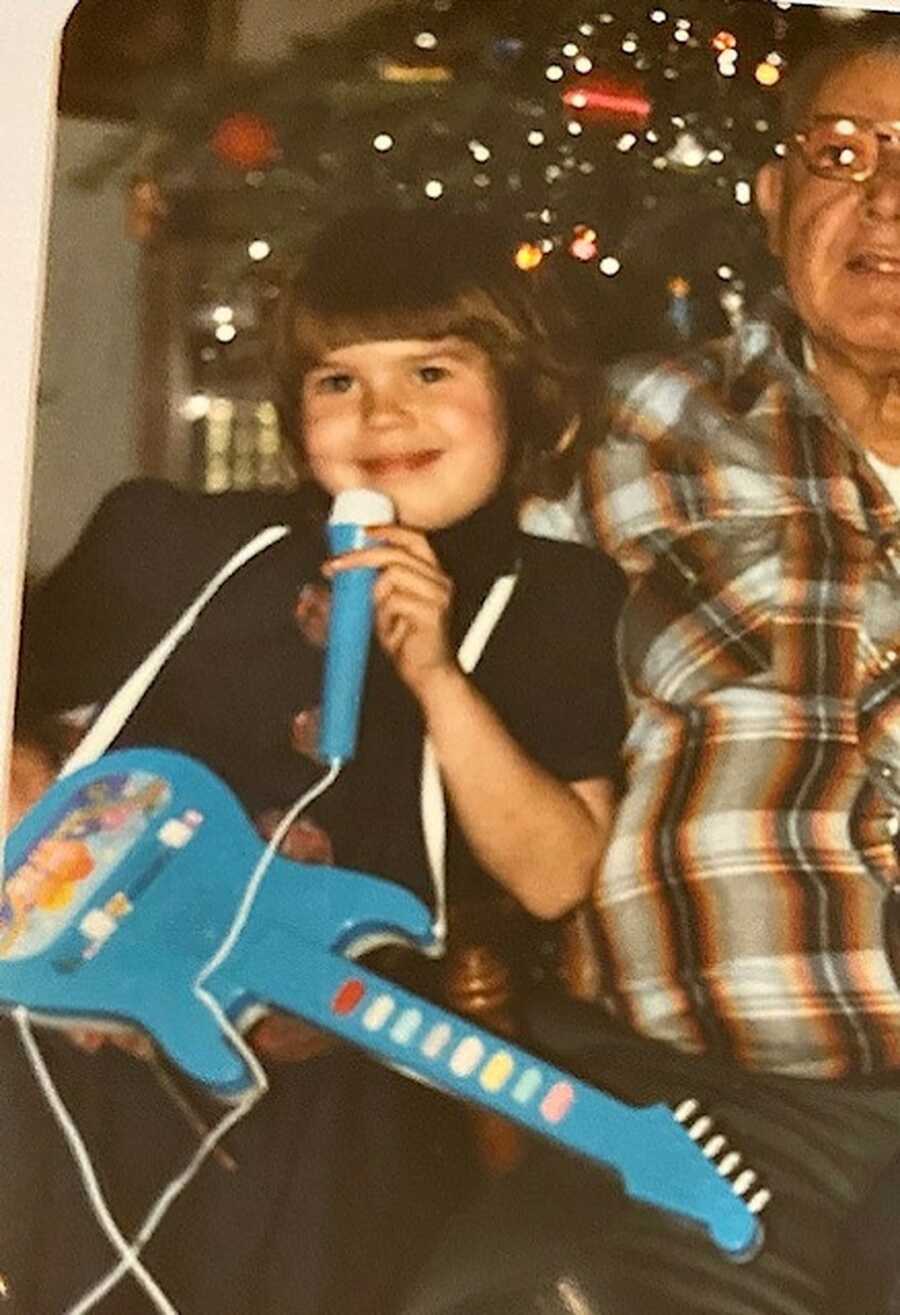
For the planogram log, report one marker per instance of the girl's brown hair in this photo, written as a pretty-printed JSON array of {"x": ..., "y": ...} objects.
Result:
[{"x": 382, "y": 274}]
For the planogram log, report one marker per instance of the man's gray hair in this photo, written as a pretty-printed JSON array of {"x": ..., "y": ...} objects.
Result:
[{"x": 812, "y": 70}]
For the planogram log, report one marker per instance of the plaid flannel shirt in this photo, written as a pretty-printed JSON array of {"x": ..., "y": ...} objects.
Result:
[{"x": 747, "y": 901}]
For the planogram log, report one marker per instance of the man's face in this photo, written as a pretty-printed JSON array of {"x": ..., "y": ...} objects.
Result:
[{"x": 839, "y": 241}]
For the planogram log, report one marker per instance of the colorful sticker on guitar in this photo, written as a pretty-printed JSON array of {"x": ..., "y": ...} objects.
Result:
[{"x": 74, "y": 856}]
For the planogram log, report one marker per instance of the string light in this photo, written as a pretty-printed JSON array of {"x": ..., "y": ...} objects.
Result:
[
  {"x": 725, "y": 272},
  {"x": 584, "y": 242},
  {"x": 658, "y": 16},
  {"x": 480, "y": 152},
  {"x": 574, "y": 129},
  {"x": 223, "y": 315},
  {"x": 553, "y": 73},
  {"x": 583, "y": 64},
  {"x": 528, "y": 256},
  {"x": 767, "y": 74},
  {"x": 426, "y": 41},
  {"x": 194, "y": 408},
  {"x": 743, "y": 192},
  {"x": 610, "y": 266},
  {"x": 383, "y": 141},
  {"x": 259, "y": 249},
  {"x": 226, "y": 332},
  {"x": 629, "y": 45},
  {"x": 434, "y": 188},
  {"x": 536, "y": 137},
  {"x": 570, "y": 49},
  {"x": 724, "y": 41},
  {"x": 626, "y": 141}
]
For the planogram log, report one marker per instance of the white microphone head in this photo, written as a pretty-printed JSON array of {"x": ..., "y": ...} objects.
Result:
[{"x": 361, "y": 507}]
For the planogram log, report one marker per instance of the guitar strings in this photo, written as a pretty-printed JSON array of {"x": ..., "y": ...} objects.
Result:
[{"x": 129, "y": 1252}]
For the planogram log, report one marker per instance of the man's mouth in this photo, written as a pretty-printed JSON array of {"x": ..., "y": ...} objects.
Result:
[
  {"x": 401, "y": 462},
  {"x": 875, "y": 262}
]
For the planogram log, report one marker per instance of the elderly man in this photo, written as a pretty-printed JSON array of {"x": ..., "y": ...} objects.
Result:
[{"x": 747, "y": 913}]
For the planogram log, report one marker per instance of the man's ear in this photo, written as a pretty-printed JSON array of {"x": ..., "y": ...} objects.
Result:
[{"x": 769, "y": 193}]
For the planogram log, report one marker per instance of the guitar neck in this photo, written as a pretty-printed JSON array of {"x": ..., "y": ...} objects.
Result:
[{"x": 654, "y": 1156}]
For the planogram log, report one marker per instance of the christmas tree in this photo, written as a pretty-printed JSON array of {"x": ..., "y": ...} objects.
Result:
[{"x": 617, "y": 144}]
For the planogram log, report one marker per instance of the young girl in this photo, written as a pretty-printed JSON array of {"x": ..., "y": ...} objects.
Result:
[{"x": 414, "y": 359}]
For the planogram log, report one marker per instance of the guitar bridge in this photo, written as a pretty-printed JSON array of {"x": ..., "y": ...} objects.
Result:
[{"x": 729, "y": 1163}]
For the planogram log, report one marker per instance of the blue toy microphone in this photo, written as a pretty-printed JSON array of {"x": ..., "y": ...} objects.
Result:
[{"x": 350, "y": 626}]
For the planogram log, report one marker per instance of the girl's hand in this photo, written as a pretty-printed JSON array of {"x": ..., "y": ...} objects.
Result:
[
  {"x": 32, "y": 772},
  {"x": 412, "y": 598}
]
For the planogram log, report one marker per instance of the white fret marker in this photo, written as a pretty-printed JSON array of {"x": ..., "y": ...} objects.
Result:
[
  {"x": 436, "y": 1040},
  {"x": 378, "y": 1012}
]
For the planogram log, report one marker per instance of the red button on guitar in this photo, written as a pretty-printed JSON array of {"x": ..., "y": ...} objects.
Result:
[{"x": 348, "y": 996}]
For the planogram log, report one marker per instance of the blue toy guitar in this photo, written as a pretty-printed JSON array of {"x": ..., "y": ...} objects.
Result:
[{"x": 123, "y": 881}]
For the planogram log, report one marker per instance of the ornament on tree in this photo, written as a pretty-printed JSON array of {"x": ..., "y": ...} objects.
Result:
[
  {"x": 609, "y": 98},
  {"x": 245, "y": 141},
  {"x": 680, "y": 310}
]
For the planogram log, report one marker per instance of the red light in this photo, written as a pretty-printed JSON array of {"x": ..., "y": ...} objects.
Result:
[
  {"x": 609, "y": 99},
  {"x": 584, "y": 243}
]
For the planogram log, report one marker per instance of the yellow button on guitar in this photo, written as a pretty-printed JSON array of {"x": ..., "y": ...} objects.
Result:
[{"x": 497, "y": 1071}]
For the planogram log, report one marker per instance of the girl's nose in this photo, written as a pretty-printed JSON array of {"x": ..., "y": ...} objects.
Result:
[{"x": 385, "y": 406}]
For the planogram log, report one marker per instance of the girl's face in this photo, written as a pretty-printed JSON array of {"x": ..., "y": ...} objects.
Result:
[{"x": 420, "y": 421}]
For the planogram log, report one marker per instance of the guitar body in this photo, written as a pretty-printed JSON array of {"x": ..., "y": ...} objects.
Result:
[{"x": 124, "y": 880}]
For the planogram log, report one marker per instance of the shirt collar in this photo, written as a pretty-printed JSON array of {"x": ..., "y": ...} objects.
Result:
[{"x": 769, "y": 349}]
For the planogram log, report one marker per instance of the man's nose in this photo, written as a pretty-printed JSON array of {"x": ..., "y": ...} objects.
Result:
[{"x": 883, "y": 188}]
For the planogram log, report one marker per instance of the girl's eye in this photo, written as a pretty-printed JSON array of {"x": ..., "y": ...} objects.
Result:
[
  {"x": 333, "y": 383},
  {"x": 432, "y": 374}
]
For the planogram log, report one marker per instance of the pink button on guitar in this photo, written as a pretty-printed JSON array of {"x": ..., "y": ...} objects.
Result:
[{"x": 557, "y": 1102}]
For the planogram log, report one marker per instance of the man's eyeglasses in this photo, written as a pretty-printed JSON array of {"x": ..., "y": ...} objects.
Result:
[{"x": 843, "y": 149}]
